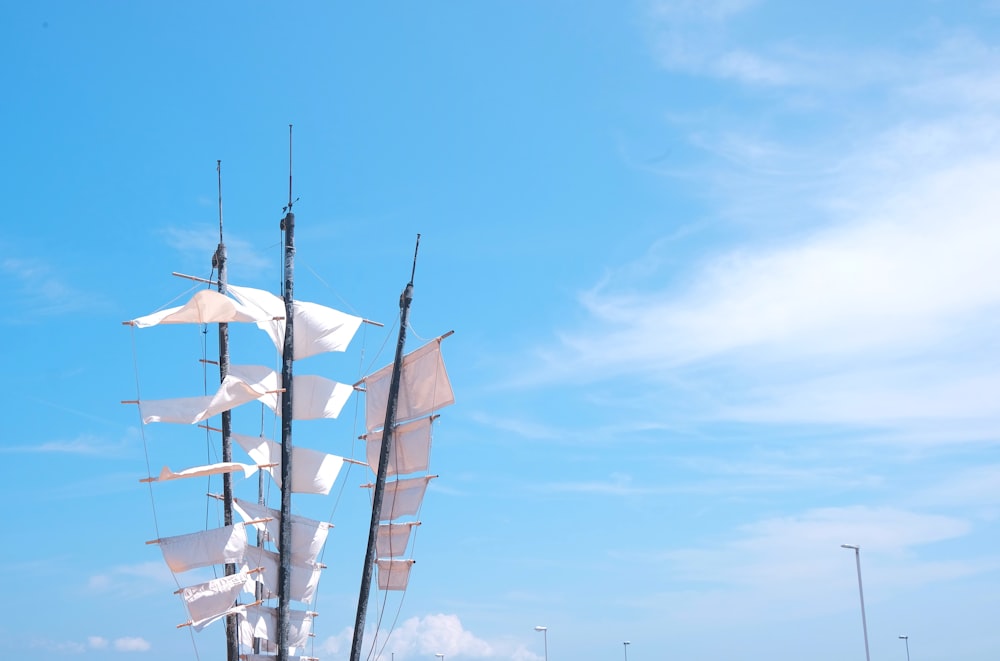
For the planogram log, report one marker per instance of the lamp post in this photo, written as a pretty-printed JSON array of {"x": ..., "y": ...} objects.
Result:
[
  {"x": 906, "y": 639},
  {"x": 440, "y": 656},
  {"x": 625, "y": 644},
  {"x": 861, "y": 593},
  {"x": 545, "y": 637}
]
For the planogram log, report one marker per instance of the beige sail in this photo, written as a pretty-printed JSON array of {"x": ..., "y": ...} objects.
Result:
[
  {"x": 424, "y": 387},
  {"x": 393, "y": 538},
  {"x": 410, "y": 450},
  {"x": 205, "y": 307},
  {"x": 393, "y": 574}
]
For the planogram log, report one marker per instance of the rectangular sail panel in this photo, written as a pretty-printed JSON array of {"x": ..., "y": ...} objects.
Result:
[
  {"x": 201, "y": 549},
  {"x": 318, "y": 329},
  {"x": 315, "y": 397},
  {"x": 315, "y": 472},
  {"x": 410, "y": 451},
  {"x": 237, "y": 388},
  {"x": 424, "y": 387},
  {"x": 262, "y": 621},
  {"x": 403, "y": 497},
  {"x": 205, "y": 307},
  {"x": 393, "y": 538},
  {"x": 393, "y": 574},
  {"x": 308, "y": 535},
  {"x": 304, "y": 578},
  {"x": 213, "y": 598}
]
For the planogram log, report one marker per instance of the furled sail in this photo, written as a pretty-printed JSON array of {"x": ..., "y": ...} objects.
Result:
[
  {"x": 393, "y": 574},
  {"x": 410, "y": 450},
  {"x": 205, "y": 307},
  {"x": 246, "y": 385},
  {"x": 393, "y": 538},
  {"x": 318, "y": 329},
  {"x": 201, "y": 549},
  {"x": 308, "y": 535},
  {"x": 424, "y": 387},
  {"x": 315, "y": 472},
  {"x": 202, "y": 471},
  {"x": 315, "y": 397}
]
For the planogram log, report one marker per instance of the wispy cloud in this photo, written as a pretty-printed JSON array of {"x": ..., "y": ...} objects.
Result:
[
  {"x": 85, "y": 444},
  {"x": 875, "y": 305},
  {"x": 92, "y": 643},
  {"x": 38, "y": 291},
  {"x": 197, "y": 241}
]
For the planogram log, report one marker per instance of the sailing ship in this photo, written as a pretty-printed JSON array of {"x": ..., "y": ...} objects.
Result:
[{"x": 264, "y": 586}]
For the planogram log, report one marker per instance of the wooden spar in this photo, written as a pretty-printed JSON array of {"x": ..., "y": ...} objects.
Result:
[
  {"x": 219, "y": 263},
  {"x": 287, "y": 355},
  {"x": 383, "y": 462}
]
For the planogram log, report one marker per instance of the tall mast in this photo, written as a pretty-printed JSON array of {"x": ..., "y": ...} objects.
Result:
[
  {"x": 219, "y": 263},
  {"x": 383, "y": 461},
  {"x": 285, "y": 530}
]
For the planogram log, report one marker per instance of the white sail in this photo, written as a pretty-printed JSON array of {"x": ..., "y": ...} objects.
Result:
[
  {"x": 410, "y": 451},
  {"x": 205, "y": 307},
  {"x": 314, "y": 398},
  {"x": 308, "y": 535},
  {"x": 262, "y": 622},
  {"x": 424, "y": 387},
  {"x": 201, "y": 549},
  {"x": 207, "y": 601},
  {"x": 304, "y": 578},
  {"x": 201, "y": 471},
  {"x": 243, "y": 384},
  {"x": 393, "y": 538},
  {"x": 403, "y": 497},
  {"x": 315, "y": 472},
  {"x": 318, "y": 329},
  {"x": 393, "y": 574}
]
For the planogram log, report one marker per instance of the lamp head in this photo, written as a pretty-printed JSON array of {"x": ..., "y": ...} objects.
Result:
[
  {"x": 850, "y": 546},
  {"x": 541, "y": 628}
]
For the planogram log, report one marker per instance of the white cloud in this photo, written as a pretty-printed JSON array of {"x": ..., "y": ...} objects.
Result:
[
  {"x": 131, "y": 645},
  {"x": 97, "y": 642},
  {"x": 201, "y": 240},
  {"x": 423, "y": 637},
  {"x": 875, "y": 305}
]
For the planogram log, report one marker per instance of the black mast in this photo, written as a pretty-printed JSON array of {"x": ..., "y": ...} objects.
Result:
[
  {"x": 219, "y": 263},
  {"x": 285, "y": 531},
  {"x": 383, "y": 461}
]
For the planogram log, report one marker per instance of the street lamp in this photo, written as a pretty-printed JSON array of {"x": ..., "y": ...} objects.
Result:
[
  {"x": 861, "y": 593},
  {"x": 440, "y": 656},
  {"x": 626, "y": 649},
  {"x": 545, "y": 636},
  {"x": 906, "y": 639}
]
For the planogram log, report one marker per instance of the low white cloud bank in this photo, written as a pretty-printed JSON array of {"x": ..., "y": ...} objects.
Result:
[{"x": 423, "y": 637}]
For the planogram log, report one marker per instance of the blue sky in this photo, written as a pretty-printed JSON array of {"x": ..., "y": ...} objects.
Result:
[{"x": 722, "y": 276}]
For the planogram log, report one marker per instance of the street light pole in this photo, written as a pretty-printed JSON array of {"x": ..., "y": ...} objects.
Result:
[
  {"x": 440, "y": 656},
  {"x": 861, "y": 593},
  {"x": 626, "y": 649},
  {"x": 545, "y": 636},
  {"x": 906, "y": 639}
]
